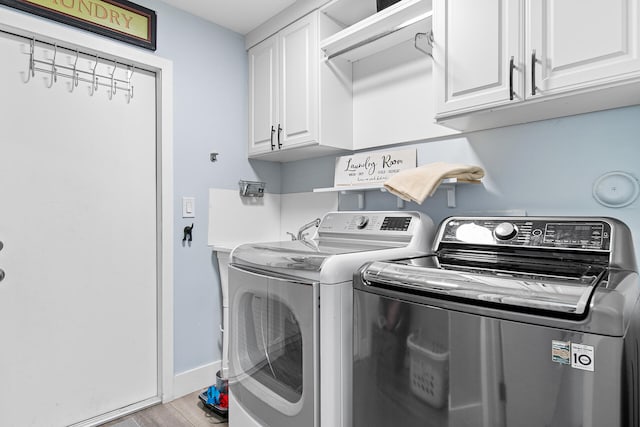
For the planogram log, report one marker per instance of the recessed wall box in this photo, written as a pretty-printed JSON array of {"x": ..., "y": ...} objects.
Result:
[{"x": 251, "y": 188}]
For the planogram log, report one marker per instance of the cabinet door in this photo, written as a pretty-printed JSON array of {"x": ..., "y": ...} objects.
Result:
[
  {"x": 475, "y": 41},
  {"x": 581, "y": 43},
  {"x": 263, "y": 95},
  {"x": 299, "y": 54}
]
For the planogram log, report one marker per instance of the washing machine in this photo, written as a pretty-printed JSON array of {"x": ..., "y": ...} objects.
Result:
[
  {"x": 291, "y": 316},
  {"x": 511, "y": 321}
]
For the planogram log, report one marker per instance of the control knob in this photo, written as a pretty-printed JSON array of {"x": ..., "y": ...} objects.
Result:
[
  {"x": 505, "y": 231},
  {"x": 361, "y": 222}
]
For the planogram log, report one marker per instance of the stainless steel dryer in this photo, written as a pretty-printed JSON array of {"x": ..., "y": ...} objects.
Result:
[{"x": 518, "y": 322}]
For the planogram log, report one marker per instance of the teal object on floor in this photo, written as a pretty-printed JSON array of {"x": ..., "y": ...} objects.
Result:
[{"x": 213, "y": 396}]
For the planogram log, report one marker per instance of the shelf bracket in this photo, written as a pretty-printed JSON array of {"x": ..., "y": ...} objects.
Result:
[
  {"x": 451, "y": 194},
  {"x": 424, "y": 43},
  {"x": 359, "y": 195}
]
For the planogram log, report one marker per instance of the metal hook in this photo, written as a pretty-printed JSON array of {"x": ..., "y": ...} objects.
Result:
[
  {"x": 129, "y": 86},
  {"x": 74, "y": 76},
  {"x": 32, "y": 62},
  {"x": 54, "y": 70},
  {"x": 113, "y": 82},
  {"x": 94, "y": 79}
]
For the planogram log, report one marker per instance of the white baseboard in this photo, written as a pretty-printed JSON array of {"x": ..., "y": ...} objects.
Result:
[{"x": 195, "y": 379}]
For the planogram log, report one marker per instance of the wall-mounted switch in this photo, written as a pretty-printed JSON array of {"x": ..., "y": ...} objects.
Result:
[{"x": 188, "y": 207}]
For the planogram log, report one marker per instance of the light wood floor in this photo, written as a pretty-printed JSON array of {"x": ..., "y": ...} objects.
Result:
[{"x": 187, "y": 411}]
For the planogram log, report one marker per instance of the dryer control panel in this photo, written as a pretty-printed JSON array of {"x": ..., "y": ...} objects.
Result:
[
  {"x": 397, "y": 227},
  {"x": 367, "y": 222}
]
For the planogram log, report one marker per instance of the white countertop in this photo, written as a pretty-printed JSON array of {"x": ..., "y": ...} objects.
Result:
[{"x": 223, "y": 246}]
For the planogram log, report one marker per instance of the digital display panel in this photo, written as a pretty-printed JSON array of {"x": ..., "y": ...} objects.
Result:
[
  {"x": 573, "y": 234},
  {"x": 396, "y": 223}
]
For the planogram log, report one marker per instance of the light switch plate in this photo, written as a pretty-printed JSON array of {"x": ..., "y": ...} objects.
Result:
[{"x": 188, "y": 207}]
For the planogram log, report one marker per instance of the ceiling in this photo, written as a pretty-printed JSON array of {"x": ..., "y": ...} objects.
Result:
[{"x": 240, "y": 16}]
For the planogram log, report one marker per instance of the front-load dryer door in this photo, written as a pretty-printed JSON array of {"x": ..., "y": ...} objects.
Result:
[{"x": 273, "y": 351}]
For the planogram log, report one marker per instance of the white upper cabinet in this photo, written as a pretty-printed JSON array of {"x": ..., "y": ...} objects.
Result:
[
  {"x": 298, "y": 112},
  {"x": 288, "y": 118},
  {"x": 501, "y": 62},
  {"x": 577, "y": 43},
  {"x": 476, "y": 53},
  {"x": 263, "y": 96}
]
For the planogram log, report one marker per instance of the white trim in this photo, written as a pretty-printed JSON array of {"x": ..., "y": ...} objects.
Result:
[
  {"x": 289, "y": 15},
  {"x": 28, "y": 25},
  {"x": 195, "y": 379},
  {"x": 118, "y": 413}
]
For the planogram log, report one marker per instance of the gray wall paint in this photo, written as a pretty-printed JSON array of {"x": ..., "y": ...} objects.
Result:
[
  {"x": 543, "y": 168},
  {"x": 210, "y": 115}
]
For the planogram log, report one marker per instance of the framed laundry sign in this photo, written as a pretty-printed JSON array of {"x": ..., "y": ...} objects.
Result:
[
  {"x": 372, "y": 167},
  {"x": 118, "y": 19}
]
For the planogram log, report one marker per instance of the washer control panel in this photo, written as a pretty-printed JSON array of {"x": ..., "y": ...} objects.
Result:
[{"x": 531, "y": 232}]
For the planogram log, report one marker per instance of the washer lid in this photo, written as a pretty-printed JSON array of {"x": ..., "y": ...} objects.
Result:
[
  {"x": 550, "y": 294},
  {"x": 303, "y": 255}
]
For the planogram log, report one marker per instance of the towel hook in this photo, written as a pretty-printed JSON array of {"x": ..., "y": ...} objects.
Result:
[
  {"x": 54, "y": 71},
  {"x": 94, "y": 79},
  {"x": 74, "y": 76},
  {"x": 32, "y": 62},
  {"x": 113, "y": 82},
  {"x": 129, "y": 86}
]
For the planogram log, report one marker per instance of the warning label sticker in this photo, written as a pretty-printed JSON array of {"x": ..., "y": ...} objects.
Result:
[{"x": 561, "y": 352}]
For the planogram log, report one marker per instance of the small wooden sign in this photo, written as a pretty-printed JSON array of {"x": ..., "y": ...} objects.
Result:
[
  {"x": 118, "y": 19},
  {"x": 373, "y": 167}
]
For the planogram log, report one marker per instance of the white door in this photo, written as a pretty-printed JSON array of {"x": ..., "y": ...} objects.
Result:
[
  {"x": 476, "y": 43},
  {"x": 580, "y": 43},
  {"x": 263, "y": 96},
  {"x": 78, "y": 303},
  {"x": 299, "y": 83}
]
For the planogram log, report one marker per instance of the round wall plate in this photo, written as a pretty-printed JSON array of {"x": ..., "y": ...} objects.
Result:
[{"x": 616, "y": 189}]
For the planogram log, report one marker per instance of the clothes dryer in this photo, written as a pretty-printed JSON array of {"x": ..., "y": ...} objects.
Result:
[{"x": 291, "y": 316}]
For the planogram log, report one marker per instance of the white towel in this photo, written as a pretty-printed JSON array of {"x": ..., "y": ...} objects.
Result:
[{"x": 416, "y": 184}]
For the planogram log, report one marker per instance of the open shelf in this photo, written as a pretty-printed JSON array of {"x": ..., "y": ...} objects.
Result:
[
  {"x": 449, "y": 185},
  {"x": 368, "y": 32}
]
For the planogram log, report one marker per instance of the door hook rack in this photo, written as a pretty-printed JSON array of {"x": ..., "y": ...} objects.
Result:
[{"x": 55, "y": 69}]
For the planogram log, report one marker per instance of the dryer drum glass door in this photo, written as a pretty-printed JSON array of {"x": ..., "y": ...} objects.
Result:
[
  {"x": 270, "y": 345},
  {"x": 273, "y": 348}
]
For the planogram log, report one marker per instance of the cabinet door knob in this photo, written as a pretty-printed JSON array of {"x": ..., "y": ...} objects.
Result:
[
  {"x": 511, "y": 67},
  {"x": 533, "y": 72},
  {"x": 273, "y": 130},
  {"x": 279, "y": 132}
]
